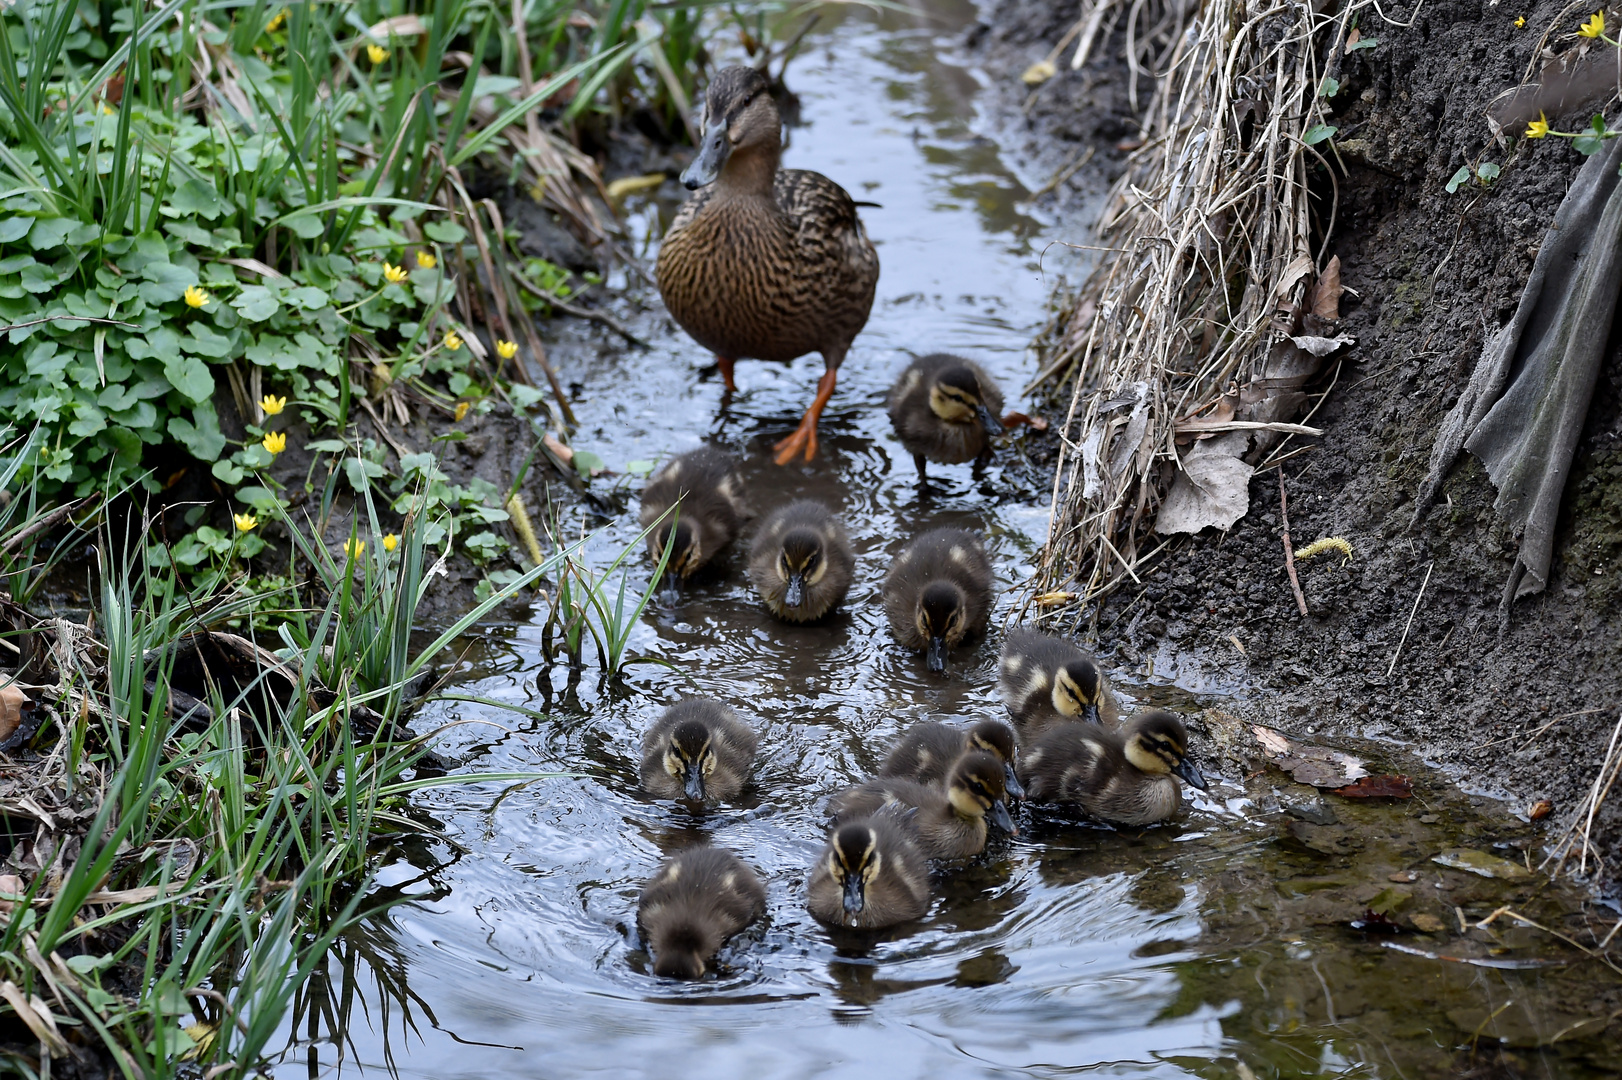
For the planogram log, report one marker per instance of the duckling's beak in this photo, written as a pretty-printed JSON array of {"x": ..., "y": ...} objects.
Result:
[
  {"x": 712, "y": 155},
  {"x": 992, "y": 425},
  {"x": 1000, "y": 818},
  {"x": 693, "y": 783},
  {"x": 855, "y": 893},
  {"x": 1191, "y": 772},
  {"x": 796, "y": 590},
  {"x": 937, "y": 654},
  {"x": 1089, "y": 713},
  {"x": 1016, "y": 790}
]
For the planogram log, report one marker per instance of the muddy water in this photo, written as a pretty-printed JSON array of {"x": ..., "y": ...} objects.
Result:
[{"x": 1218, "y": 946}]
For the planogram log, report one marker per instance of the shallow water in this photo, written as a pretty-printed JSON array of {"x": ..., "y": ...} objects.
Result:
[{"x": 1216, "y": 947}]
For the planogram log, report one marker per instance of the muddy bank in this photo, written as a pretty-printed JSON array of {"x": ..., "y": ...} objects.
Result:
[{"x": 1526, "y": 714}]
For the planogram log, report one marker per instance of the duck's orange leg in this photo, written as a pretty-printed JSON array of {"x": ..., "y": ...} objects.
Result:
[
  {"x": 725, "y": 364},
  {"x": 806, "y": 434}
]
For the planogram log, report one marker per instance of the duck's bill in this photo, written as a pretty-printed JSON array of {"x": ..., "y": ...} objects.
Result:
[
  {"x": 1191, "y": 772},
  {"x": 795, "y": 596},
  {"x": 1000, "y": 818},
  {"x": 1089, "y": 713},
  {"x": 992, "y": 425},
  {"x": 693, "y": 785},
  {"x": 1010, "y": 781},
  {"x": 712, "y": 155},
  {"x": 936, "y": 654},
  {"x": 855, "y": 895}
]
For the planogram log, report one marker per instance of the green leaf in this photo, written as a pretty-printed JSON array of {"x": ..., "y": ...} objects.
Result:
[
  {"x": 586, "y": 462},
  {"x": 198, "y": 197},
  {"x": 1317, "y": 133},
  {"x": 1460, "y": 177},
  {"x": 228, "y": 473},
  {"x": 306, "y": 227},
  {"x": 1363, "y": 43},
  {"x": 1588, "y": 145},
  {"x": 84, "y": 964},
  {"x": 255, "y": 303},
  {"x": 1329, "y": 87},
  {"x": 201, "y": 435},
  {"x": 1487, "y": 171},
  {"x": 190, "y": 376},
  {"x": 446, "y": 232},
  {"x": 640, "y": 467},
  {"x": 50, "y": 232},
  {"x": 165, "y": 282},
  {"x": 15, "y": 263},
  {"x": 206, "y": 341},
  {"x": 309, "y": 298},
  {"x": 89, "y": 420},
  {"x": 14, "y": 228}
]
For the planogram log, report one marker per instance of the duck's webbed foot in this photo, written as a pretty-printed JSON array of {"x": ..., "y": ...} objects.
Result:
[{"x": 805, "y": 436}]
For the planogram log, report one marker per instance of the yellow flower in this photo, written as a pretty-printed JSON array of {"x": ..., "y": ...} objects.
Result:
[
  {"x": 196, "y": 296},
  {"x": 274, "y": 442},
  {"x": 452, "y": 342},
  {"x": 1594, "y": 27},
  {"x": 1538, "y": 128},
  {"x": 106, "y": 109},
  {"x": 353, "y": 548},
  {"x": 1520, "y": 22},
  {"x": 245, "y": 522},
  {"x": 393, "y": 274},
  {"x": 272, "y": 404},
  {"x": 391, "y": 541},
  {"x": 376, "y": 54},
  {"x": 275, "y": 23},
  {"x": 461, "y": 410},
  {"x": 426, "y": 261},
  {"x": 506, "y": 349}
]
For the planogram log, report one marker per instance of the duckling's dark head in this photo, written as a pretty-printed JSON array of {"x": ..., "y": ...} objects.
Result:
[
  {"x": 977, "y": 790},
  {"x": 682, "y": 540},
  {"x": 997, "y": 739},
  {"x": 854, "y": 860},
  {"x": 942, "y": 617},
  {"x": 1077, "y": 688},
  {"x": 957, "y": 398},
  {"x": 740, "y": 119},
  {"x": 690, "y": 758},
  {"x": 679, "y": 951},
  {"x": 1157, "y": 743},
  {"x": 801, "y": 562}
]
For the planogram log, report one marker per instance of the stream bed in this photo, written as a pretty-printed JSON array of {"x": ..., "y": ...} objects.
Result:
[{"x": 1220, "y": 945}]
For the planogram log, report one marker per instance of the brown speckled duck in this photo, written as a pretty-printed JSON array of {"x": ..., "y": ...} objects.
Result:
[
  {"x": 1125, "y": 776},
  {"x": 937, "y": 593},
  {"x": 765, "y": 262},
  {"x": 692, "y": 904},
  {"x": 945, "y": 409},
  {"x": 707, "y": 485}
]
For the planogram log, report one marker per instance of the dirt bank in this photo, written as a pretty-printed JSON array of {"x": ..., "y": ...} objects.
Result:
[{"x": 1527, "y": 714}]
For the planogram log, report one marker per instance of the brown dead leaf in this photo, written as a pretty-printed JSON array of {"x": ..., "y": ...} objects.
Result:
[
  {"x": 12, "y": 703},
  {"x": 1352, "y": 39},
  {"x": 1426, "y": 923},
  {"x": 1319, "y": 766},
  {"x": 1540, "y": 810},
  {"x": 1404, "y": 876},
  {"x": 1324, "y": 299},
  {"x": 1378, "y": 787}
]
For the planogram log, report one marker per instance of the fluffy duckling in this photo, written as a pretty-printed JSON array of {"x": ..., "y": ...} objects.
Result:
[
  {"x": 801, "y": 562},
  {"x": 1046, "y": 680},
  {"x": 947, "y": 822},
  {"x": 938, "y": 593},
  {"x": 699, "y": 750},
  {"x": 927, "y": 751},
  {"x": 1122, "y": 776},
  {"x": 945, "y": 409},
  {"x": 707, "y": 485},
  {"x": 689, "y": 908},
  {"x": 871, "y": 875}
]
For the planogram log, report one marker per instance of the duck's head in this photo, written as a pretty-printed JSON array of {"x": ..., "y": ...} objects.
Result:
[
  {"x": 739, "y": 117},
  {"x": 689, "y": 757},
  {"x": 997, "y": 739},
  {"x": 942, "y": 616},
  {"x": 682, "y": 540},
  {"x": 679, "y": 952},
  {"x": 801, "y": 563},
  {"x": 854, "y": 860},
  {"x": 956, "y": 398},
  {"x": 1157, "y": 743},
  {"x": 976, "y": 789},
  {"x": 1077, "y": 688}
]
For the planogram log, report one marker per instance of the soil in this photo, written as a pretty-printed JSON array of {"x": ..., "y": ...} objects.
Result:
[{"x": 1527, "y": 712}]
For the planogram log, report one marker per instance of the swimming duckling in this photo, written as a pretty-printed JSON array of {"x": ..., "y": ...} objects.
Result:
[
  {"x": 1122, "y": 776},
  {"x": 948, "y": 822},
  {"x": 695, "y": 901},
  {"x": 871, "y": 875},
  {"x": 707, "y": 485},
  {"x": 801, "y": 562},
  {"x": 1046, "y": 680},
  {"x": 938, "y": 592},
  {"x": 698, "y": 750},
  {"x": 927, "y": 751},
  {"x": 945, "y": 409}
]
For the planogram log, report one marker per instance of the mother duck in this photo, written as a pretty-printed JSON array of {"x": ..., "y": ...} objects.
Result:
[{"x": 764, "y": 262}]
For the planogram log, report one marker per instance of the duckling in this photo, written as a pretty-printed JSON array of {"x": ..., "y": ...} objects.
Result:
[
  {"x": 945, "y": 409},
  {"x": 947, "y": 822},
  {"x": 937, "y": 593},
  {"x": 692, "y": 904},
  {"x": 765, "y": 262},
  {"x": 871, "y": 875},
  {"x": 1045, "y": 680},
  {"x": 927, "y": 751},
  {"x": 699, "y": 750},
  {"x": 801, "y": 562},
  {"x": 1122, "y": 776},
  {"x": 707, "y": 485}
]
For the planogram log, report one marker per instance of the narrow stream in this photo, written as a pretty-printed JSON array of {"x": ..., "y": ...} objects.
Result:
[{"x": 1214, "y": 947}]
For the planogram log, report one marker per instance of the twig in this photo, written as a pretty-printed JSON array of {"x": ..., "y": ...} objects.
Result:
[
  {"x": 1393, "y": 666},
  {"x": 66, "y": 318},
  {"x": 46, "y": 521},
  {"x": 1289, "y": 548},
  {"x": 1065, "y": 173},
  {"x": 579, "y": 312}
]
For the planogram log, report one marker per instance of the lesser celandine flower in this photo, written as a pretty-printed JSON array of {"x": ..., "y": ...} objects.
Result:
[
  {"x": 1594, "y": 27},
  {"x": 245, "y": 522},
  {"x": 452, "y": 342},
  {"x": 1538, "y": 128},
  {"x": 196, "y": 296},
  {"x": 1520, "y": 22},
  {"x": 391, "y": 541},
  {"x": 272, "y": 404},
  {"x": 461, "y": 410},
  {"x": 393, "y": 274},
  {"x": 426, "y": 261},
  {"x": 353, "y": 548},
  {"x": 274, "y": 442},
  {"x": 275, "y": 23},
  {"x": 506, "y": 349},
  {"x": 376, "y": 54}
]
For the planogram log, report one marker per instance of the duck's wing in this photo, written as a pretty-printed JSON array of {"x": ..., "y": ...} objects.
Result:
[{"x": 823, "y": 217}]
